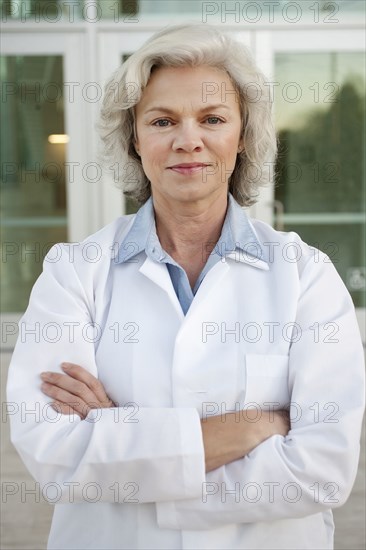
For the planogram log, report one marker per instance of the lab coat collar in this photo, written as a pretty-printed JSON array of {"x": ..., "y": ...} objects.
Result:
[{"x": 241, "y": 243}]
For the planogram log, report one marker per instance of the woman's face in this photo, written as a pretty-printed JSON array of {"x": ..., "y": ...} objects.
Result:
[{"x": 188, "y": 132}]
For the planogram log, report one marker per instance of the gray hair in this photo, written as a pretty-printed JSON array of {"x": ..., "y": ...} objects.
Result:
[{"x": 189, "y": 45}]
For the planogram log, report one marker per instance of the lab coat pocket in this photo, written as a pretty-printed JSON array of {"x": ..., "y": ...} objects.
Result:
[{"x": 267, "y": 381}]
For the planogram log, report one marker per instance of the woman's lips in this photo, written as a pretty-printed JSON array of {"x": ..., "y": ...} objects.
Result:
[{"x": 188, "y": 168}]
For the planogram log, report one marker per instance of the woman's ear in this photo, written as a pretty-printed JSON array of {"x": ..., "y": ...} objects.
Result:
[{"x": 136, "y": 147}]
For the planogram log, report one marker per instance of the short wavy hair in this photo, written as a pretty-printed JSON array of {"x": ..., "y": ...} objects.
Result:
[{"x": 178, "y": 46}]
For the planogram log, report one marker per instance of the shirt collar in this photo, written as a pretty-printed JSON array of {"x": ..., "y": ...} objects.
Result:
[
  {"x": 243, "y": 233},
  {"x": 237, "y": 234}
]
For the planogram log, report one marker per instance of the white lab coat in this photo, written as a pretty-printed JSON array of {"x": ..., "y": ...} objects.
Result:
[{"x": 134, "y": 476}]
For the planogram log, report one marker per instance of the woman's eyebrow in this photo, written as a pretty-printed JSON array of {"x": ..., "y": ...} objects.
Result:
[{"x": 171, "y": 111}]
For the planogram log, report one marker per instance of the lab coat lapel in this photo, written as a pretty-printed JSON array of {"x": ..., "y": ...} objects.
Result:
[
  {"x": 245, "y": 258},
  {"x": 209, "y": 285},
  {"x": 158, "y": 273},
  {"x": 214, "y": 278}
]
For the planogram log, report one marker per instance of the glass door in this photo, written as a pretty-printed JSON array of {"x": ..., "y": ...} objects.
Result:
[
  {"x": 45, "y": 198},
  {"x": 33, "y": 187},
  {"x": 320, "y": 191},
  {"x": 318, "y": 87}
]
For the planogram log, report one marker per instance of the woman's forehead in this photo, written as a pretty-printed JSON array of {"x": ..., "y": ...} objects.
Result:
[
  {"x": 198, "y": 74},
  {"x": 171, "y": 86}
]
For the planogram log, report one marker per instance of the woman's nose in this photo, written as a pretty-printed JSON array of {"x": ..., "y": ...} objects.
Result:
[{"x": 188, "y": 137}]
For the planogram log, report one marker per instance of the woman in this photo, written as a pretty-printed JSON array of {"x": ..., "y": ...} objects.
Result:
[{"x": 168, "y": 360}]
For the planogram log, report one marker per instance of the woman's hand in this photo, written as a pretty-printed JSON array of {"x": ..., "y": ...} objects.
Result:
[
  {"x": 76, "y": 391},
  {"x": 231, "y": 436}
]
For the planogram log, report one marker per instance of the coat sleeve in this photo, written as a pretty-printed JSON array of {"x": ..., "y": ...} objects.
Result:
[
  {"x": 314, "y": 467},
  {"x": 114, "y": 453}
]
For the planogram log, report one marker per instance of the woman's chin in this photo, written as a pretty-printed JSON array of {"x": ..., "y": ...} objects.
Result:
[{"x": 187, "y": 191}]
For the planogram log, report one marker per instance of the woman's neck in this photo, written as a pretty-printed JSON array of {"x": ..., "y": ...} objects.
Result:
[{"x": 187, "y": 229}]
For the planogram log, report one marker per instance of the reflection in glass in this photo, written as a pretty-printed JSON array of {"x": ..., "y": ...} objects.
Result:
[
  {"x": 230, "y": 12},
  {"x": 320, "y": 115},
  {"x": 129, "y": 10},
  {"x": 119, "y": 10},
  {"x": 33, "y": 206},
  {"x": 47, "y": 11}
]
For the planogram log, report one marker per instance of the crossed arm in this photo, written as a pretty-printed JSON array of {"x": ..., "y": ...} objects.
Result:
[{"x": 226, "y": 437}]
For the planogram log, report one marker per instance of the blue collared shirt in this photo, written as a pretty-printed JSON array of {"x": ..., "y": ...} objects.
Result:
[{"x": 236, "y": 234}]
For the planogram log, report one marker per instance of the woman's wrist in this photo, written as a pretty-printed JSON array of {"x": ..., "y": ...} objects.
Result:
[{"x": 232, "y": 436}]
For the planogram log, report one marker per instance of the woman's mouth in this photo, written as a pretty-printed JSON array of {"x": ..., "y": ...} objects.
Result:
[{"x": 188, "y": 168}]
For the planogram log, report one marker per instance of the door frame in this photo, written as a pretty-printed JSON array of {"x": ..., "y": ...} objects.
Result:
[
  {"x": 82, "y": 196},
  {"x": 348, "y": 38}
]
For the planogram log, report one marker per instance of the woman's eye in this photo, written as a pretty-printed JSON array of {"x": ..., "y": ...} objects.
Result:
[
  {"x": 161, "y": 123},
  {"x": 164, "y": 122},
  {"x": 213, "y": 120}
]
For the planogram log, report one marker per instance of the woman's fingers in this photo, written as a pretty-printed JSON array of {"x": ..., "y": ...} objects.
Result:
[
  {"x": 82, "y": 375},
  {"x": 64, "y": 383},
  {"x": 77, "y": 391},
  {"x": 70, "y": 402}
]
